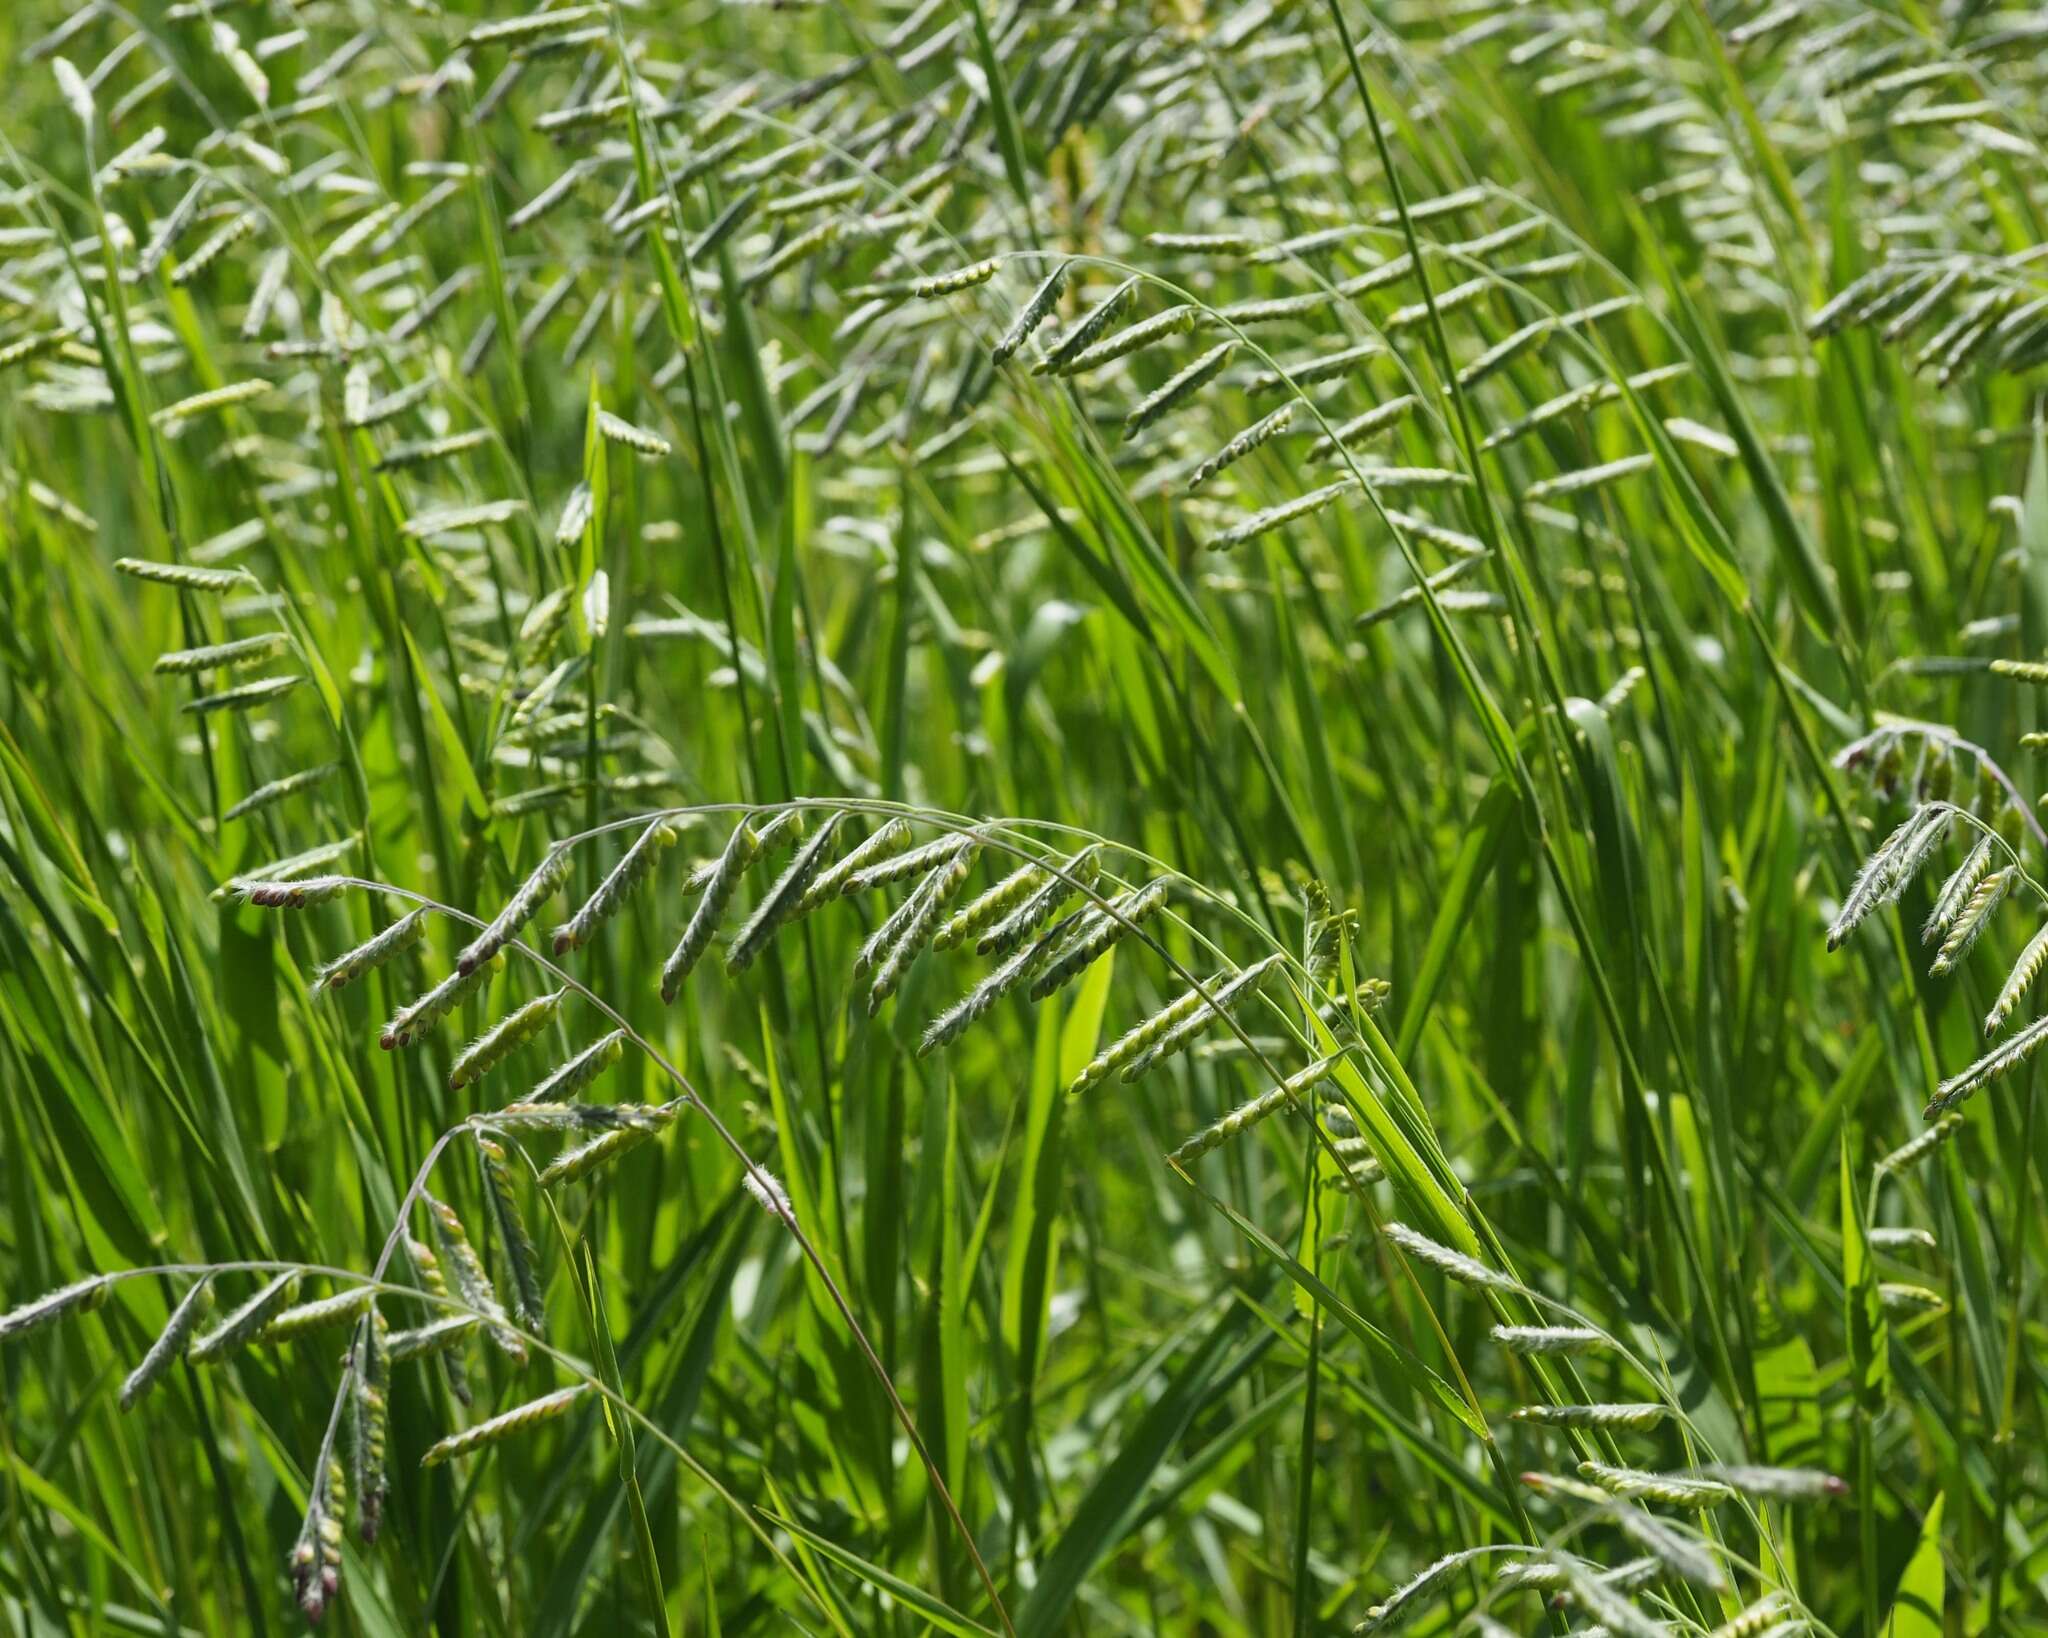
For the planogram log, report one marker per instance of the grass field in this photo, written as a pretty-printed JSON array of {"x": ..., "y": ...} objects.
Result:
[{"x": 1023, "y": 819}]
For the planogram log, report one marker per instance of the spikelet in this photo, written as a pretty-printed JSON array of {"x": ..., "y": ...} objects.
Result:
[
  {"x": 221, "y": 656},
  {"x": 373, "y": 952},
  {"x": 572, "y": 1077},
  {"x": 1273, "y": 517},
  {"x": 1010, "y": 933},
  {"x": 1903, "y": 1239},
  {"x": 885, "y": 842},
  {"x": 1888, "y": 871},
  {"x": 205, "y": 403},
  {"x": 1136, "y": 1040},
  {"x": 1547, "y": 1574},
  {"x": 1380, "y": 418},
  {"x": 901, "y": 866},
  {"x": 415, "y": 1017},
  {"x": 779, "y": 903},
  {"x": 540, "y": 886},
  {"x": 170, "y": 1344},
  {"x": 1176, "y": 1035},
  {"x": 369, "y": 1421},
  {"x": 1076, "y": 340},
  {"x": 1098, "y": 930},
  {"x": 1899, "y": 1297},
  {"x": 1260, "y": 432},
  {"x": 243, "y": 697},
  {"x": 449, "y": 520},
  {"x": 988, "y": 907},
  {"x": 1175, "y": 321},
  {"x": 519, "y": 1419},
  {"x": 616, "y": 430},
  {"x": 1672, "y": 1489},
  {"x": 1310, "y": 372},
  {"x": 1974, "y": 918},
  {"x": 276, "y": 790},
  {"x": 1548, "y": 1339},
  {"x": 953, "y": 1022},
  {"x": 1956, "y": 891},
  {"x": 584, "y": 1159},
  {"x": 522, "y": 1258},
  {"x": 1679, "y": 1553},
  {"x": 241, "y": 1327},
  {"x": 768, "y": 1192},
  {"x": 185, "y": 576},
  {"x": 911, "y": 928},
  {"x": 322, "y": 1314},
  {"x": 2018, "y": 982},
  {"x": 315, "y": 1561},
  {"x": 471, "y": 1282},
  {"x": 741, "y": 849},
  {"x": 1758, "y": 1618},
  {"x": 632, "y": 869},
  {"x": 962, "y": 278},
  {"x": 1593, "y": 1416},
  {"x": 1941, "y": 1131},
  {"x": 1505, "y": 351},
  {"x": 238, "y": 227},
  {"x": 1414, "y": 1594},
  {"x": 294, "y": 895},
  {"x": 1465, "y": 1270},
  {"x": 1588, "y": 477},
  {"x": 1247, "y": 1115},
  {"x": 424, "y": 451},
  {"x": 1030, "y": 316},
  {"x": 1177, "y": 389},
  {"x": 435, "y": 1337},
  {"x": 1598, "y": 1597},
  {"x": 503, "y": 1038},
  {"x": 531, "y": 25},
  {"x": 1413, "y": 595}
]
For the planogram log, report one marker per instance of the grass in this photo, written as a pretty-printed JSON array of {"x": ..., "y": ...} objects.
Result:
[{"x": 1523, "y": 1171}]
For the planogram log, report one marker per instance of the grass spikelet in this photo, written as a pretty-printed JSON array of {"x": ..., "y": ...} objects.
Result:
[
  {"x": 617, "y": 430},
  {"x": 294, "y": 895},
  {"x": 1413, "y": 595},
  {"x": 768, "y": 1193},
  {"x": 911, "y": 928},
  {"x": 1077, "y": 339},
  {"x": 987, "y": 907},
  {"x": 1548, "y": 1339},
  {"x": 472, "y": 1284},
  {"x": 601, "y": 1150},
  {"x": 900, "y": 866},
  {"x": 1902, "y": 1297},
  {"x": 1018, "y": 966},
  {"x": 1261, "y": 431},
  {"x": 1175, "y": 321},
  {"x": 1756, "y": 1618},
  {"x": 1886, "y": 873},
  {"x": 1787, "y": 1484},
  {"x": 1588, "y": 477},
  {"x": 885, "y": 842},
  {"x": 520, "y": 1419},
  {"x": 541, "y": 885},
  {"x": 1098, "y": 931},
  {"x": 2018, "y": 981},
  {"x": 276, "y": 790},
  {"x": 1247, "y": 1115},
  {"x": 1943, "y": 1129},
  {"x": 1414, "y": 1594},
  {"x": 1008, "y": 934},
  {"x": 205, "y": 403},
  {"x": 185, "y": 576},
  {"x": 242, "y": 697},
  {"x": 1176, "y": 1034},
  {"x": 1274, "y": 517},
  {"x": 412, "y": 1019},
  {"x": 238, "y": 227},
  {"x": 1614, "y": 1613},
  {"x": 1036, "y": 309},
  {"x": 503, "y": 1038},
  {"x": 450, "y": 520},
  {"x": 741, "y": 849},
  {"x": 369, "y": 1422},
  {"x": 322, "y": 1314},
  {"x": 960, "y": 278},
  {"x": 170, "y": 1344},
  {"x": 1974, "y": 917},
  {"x": 1505, "y": 351},
  {"x": 779, "y": 903},
  {"x": 373, "y": 952},
  {"x": 1136, "y": 1040},
  {"x": 436, "y": 1337},
  {"x": 425, "y": 451},
  {"x": 572, "y": 1077},
  {"x": 633, "y": 868},
  {"x": 1380, "y": 418},
  {"x": 242, "y": 1327},
  {"x": 1956, "y": 891},
  {"x": 1593, "y": 1416},
  {"x": 1465, "y": 1270},
  {"x": 522, "y": 1258},
  {"x": 315, "y": 1561},
  {"x": 1178, "y": 389},
  {"x": 1310, "y": 372},
  {"x": 1671, "y": 1489}
]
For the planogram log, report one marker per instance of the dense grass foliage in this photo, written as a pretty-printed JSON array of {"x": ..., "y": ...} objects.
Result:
[{"x": 1023, "y": 818}]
